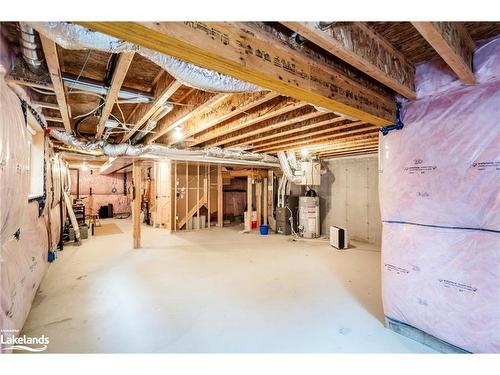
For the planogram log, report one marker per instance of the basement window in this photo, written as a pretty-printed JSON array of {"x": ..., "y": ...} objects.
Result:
[{"x": 36, "y": 142}]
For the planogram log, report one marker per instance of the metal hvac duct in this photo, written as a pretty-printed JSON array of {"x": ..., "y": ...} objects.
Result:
[{"x": 29, "y": 41}]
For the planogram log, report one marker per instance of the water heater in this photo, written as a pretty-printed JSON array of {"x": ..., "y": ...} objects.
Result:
[{"x": 309, "y": 224}]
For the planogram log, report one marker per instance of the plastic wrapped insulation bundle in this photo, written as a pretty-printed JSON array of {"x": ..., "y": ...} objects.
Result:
[
  {"x": 287, "y": 171},
  {"x": 154, "y": 150},
  {"x": 71, "y": 36},
  {"x": 439, "y": 189},
  {"x": 14, "y": 163}
]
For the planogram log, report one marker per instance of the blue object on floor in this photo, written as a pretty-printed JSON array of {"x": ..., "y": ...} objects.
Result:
[{"x": 264, "y": 229}]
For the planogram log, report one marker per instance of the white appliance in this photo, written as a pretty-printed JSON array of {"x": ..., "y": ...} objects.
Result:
[
  {"x": 309, "y": 224},
  {"x": 339, "y": 237}
]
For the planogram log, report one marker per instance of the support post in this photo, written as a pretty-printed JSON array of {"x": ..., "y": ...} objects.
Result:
[
  {"x": 208, "y": 196},
  {"x": 167, "y": 204},
  {"x": 175, "y": 196},
  {"x": 136, "y": 206},
  {"x": 198, "y": 194},
  {"x": 220, "y": 220},
  {"x": 265, "y": 201},
  {"x": 187, "y": 194},
  {"x": 249, "y": 203},
  {"x": 258, "y": 202}
]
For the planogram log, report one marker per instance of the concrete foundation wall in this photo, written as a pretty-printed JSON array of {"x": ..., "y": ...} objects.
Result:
[{"x": 349, "y": 198}]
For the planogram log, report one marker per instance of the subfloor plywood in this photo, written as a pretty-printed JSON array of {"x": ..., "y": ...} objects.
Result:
[{"x": 213, "y": 291}]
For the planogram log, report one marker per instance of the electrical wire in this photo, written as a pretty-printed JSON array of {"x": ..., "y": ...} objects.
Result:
[
  {"x": 88, "y": 113},
  {"x": 81, "y": 70}
]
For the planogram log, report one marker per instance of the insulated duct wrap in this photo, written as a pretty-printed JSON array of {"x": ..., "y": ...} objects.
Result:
[
  {"x": 440, "y": 205},
  {"x": 287, "y": 171},
  {"x": 155, "y": 150},
  {"x": 71, "y": 36}
]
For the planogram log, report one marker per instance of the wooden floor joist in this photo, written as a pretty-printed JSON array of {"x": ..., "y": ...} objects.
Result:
[
  {"x": 326, "y": 127},
  {"x": 251, "y": 53},
  {"x": 279, "y": 132},
  {"x": 299, "y": 115},
  {"x": 52, "y": 60},
  {"x": 121, "y": 69},
  {"x": 378, "y": 58},
  {"x": 163, "y": 90},
  {"x": 230, "y": 106},
  {"x": 453, "y": 44},
  {"x": 263, "y": 112},
  {"x": 323, "y": 138},
  {"x": 196, "y": 103},
  {"x": 344, "y": 135}
]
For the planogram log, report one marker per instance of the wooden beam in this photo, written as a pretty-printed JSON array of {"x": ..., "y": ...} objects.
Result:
[
  {"x": 196, "y": 103},
  {"x": 365, "y": 151},
  {"x": 52, "y": 60},
  {"x": 231, "y": 106},
  {"x": 220, "y": 201},
  {"x": 309, "y": 133},
  {"x": 360, "y": 142},
  {"x": 363, "y": 48},
  {"x": 253, "y": 53},
  {"x": 253, "y": 173},
  {"x": 54, "y": 119},
  {"x": 263, "y": 113},
  {"x": 259, "y": 139},
  {"x": 45, "y": 105},
  {"x": 248, "y": 227},
  {"x": 137, "y": 204},
  {"x": 121, "y": 69},
  {"x": 324, "y": 138},
  {"x": 29, "y": 83},
  {"x": 302, "y": 114},
  {"x": 452, "y": 42},
  {"x": 163, "y": 90},
  {"x": 265, "y": 198}
]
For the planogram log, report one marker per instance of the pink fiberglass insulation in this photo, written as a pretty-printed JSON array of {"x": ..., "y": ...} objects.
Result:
[
  {"x": 102, "y": 190},
  {"x": 440, "y": 203},
  {"x": 444, "y": 282}
]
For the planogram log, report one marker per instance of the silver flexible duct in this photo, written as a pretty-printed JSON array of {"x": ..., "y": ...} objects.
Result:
[
  {"x": 155, "y": 150},
  {"x": 71, "y": 36},
  {"x": 287, "y": 171},
  {"x": 153, "y": 121},
  {"x": 30, "y": 47}
]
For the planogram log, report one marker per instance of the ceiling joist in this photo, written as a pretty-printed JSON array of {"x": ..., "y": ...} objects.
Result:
[
  {"x": 302, "y": 114},
  {"x": 120, "y": 71},
  {"x": 229, "y": 107},
  {"x": 164, "y": 89},
  {"x": 452, "y": 42},
  {"x": 363, "y": 48},
  {"x": 251, "y": 53},
  {"x": 52, "y": 60},
  {"x": 195, "y": 104},
  {"x": 273, "y": 108},
  {"x": 344, "y": 135}
]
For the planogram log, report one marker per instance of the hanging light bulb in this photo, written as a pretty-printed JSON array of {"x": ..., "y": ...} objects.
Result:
[
  {"x": 178, "y": 136},
  {"x": 304, "y": 152},
  {"x": 84, "y": 167}
]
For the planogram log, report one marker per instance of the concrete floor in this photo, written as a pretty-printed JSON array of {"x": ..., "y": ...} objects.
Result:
[{"x": 213, "y": 291}]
